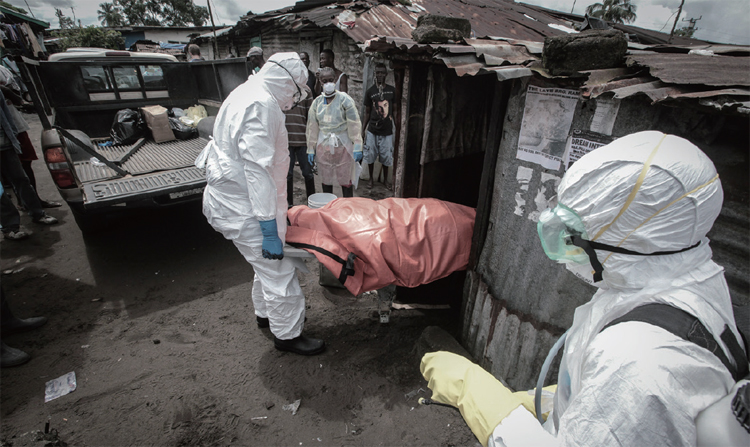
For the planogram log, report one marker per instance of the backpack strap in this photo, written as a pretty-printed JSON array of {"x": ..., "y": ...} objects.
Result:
[{"x": 688, "y": 327}]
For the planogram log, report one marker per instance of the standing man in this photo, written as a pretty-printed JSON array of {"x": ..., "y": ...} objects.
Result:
[
  {"x": 296, "y": 127},
  {"x": 245, "y": 197},
  {"x": 194, "y": 51},
  {"x": 254, "y": 60},
  {"x": 341, "y": 81},
  {"x": 334, "y": 136},
  {"x": 310, "y": 75},
  {"x": 12, "y": 170},
  {"x": 378, "y": 128}
]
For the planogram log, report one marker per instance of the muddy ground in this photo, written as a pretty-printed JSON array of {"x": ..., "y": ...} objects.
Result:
[{"x": 154, "y": 316}]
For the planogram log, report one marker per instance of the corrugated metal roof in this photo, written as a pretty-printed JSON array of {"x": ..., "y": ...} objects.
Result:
[
  {"x": 489, "y": 18},
  {"x": 623, "y": 83},
  {"x": 219, "y": 32},
  {"x": 505, "y": 59},
  {"x": 719, "y": 71}
]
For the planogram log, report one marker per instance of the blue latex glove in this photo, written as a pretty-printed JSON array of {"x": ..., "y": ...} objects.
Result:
[
  {"x": 358, "y": 156},
  {"x": 311, "y": 159},
  {"x": 272, "y": 246}
]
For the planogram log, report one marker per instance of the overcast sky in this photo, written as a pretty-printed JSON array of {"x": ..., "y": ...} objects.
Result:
[{"x": 726, "y": 21}]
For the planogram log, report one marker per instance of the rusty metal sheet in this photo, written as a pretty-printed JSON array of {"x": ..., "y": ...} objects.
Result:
[
  {"x": 383, "y": 20},
  {"x": 735, "y": 50},
  {"x": 631, "y": 90},
  {"x": 465, "y": 64},
  {"x": 597, "y": 90},
  {"x": 712, "y": 93},
  {"x": 500, "y": 53},
  {"x": 487, "y": 17},
  {"x": 532, "y": 47},
  {"x": 599, "y": 77},
  {"x": 720, "y": 71}
]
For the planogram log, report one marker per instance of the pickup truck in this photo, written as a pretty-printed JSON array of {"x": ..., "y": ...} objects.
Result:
[{"x": 81, "y": 90}]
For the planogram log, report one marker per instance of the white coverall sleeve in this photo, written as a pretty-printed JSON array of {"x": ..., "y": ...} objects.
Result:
[
  {"x": 313, "y": 127},
  {"x": 640, "y": 385},
  {"x": 256, "y": 146}
]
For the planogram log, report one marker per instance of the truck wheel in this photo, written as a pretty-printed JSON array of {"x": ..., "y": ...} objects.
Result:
[{"x": 88, "y": 223}]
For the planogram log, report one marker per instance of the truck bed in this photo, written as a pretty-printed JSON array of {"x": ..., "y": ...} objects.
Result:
[{"x": 155, "y": 169}]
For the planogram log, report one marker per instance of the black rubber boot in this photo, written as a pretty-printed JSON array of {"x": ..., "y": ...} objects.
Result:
[
  {"x": 301, "y": 345},
  {"x": 347, "y": 191},
  {"x": 309, "y": 186},
  {"x": 262, "y": 322},
  {"x": 12, "y": 356},
  {"x": 328, "y": 189},
  {"x": 12, "y": 324},
  {"x": 290, "y": 191}
]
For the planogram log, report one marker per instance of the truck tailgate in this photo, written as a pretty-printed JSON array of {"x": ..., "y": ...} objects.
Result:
[{"x": 155, "y": 169}]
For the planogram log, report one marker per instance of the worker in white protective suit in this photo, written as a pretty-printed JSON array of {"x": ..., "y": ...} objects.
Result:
[
  {"x": 245, "y": 199},
  {"x": 334, "y": 136},
  {"x": 631, "y": 218}
]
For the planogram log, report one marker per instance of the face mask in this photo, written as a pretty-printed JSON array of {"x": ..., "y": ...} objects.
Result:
[
  {"x": 555, "y": 228},
  {"x": 564, "y": 240},
  {"x": 329, "y": 88}
]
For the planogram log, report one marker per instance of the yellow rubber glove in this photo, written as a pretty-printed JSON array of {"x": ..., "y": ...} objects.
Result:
[{"x": 482, "y": 400}]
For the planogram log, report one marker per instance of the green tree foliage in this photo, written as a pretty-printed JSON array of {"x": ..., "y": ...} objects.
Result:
[
  {"x": 685, "y": 31},
  {"x": 90, "y": 36},
  {"x": 110, "y": 14},
  {"x": 156, "y": 12},
  {"x": 14, "y": 8},
  {"x": 618, "y": 11},
  {"x": 65, "y": 22}
]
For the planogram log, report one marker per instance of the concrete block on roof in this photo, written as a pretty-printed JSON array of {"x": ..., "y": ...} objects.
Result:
[
  {"x": 433, "y": 28},
  {"x": 589, "y": 50}
]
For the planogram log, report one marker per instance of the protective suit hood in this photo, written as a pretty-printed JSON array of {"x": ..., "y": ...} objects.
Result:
[
  {"x": 646, "y": 192},
  {"x": 279, "y": 82}
]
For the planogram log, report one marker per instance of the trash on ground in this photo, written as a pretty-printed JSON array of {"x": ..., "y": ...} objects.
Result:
[
  {"x": 60, "y": 387},
  {"x": 400, "y": 306},
  {"x": 293, "y": 407},
  {"x": 258, "y": 417},
  {"x": 411, "y": 394}
]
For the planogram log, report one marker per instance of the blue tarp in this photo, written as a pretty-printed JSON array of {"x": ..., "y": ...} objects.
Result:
[{"x": 173, "y": 46}]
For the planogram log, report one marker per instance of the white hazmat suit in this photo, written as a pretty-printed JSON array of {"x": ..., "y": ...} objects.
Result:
[
  {"x": 635, "y": 384},
  {"x": 246, "y": 168}
]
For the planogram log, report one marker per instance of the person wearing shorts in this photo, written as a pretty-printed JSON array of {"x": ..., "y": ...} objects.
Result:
[{"x": 379, "y": 128}]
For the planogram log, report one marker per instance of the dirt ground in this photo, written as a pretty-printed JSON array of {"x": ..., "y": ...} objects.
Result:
[{"x": 155, "y": 318}]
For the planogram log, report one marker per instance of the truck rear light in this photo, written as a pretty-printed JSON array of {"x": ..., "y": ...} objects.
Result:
[
  {"x": 59, "y": 168},
  {"x": 55, "y": 155},
  {"x": 63, "y": 178}
]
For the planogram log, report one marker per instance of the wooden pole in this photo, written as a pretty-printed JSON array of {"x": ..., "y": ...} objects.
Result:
[
  {"x": 679, "y": 11},
  {"x": 213, "y": 25}
]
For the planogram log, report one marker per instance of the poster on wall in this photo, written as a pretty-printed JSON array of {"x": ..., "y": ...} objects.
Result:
[
  {"x": 547, "y": 117},
  {"x": 580, "y": 143},
  {"x": 605, "y": 115}
]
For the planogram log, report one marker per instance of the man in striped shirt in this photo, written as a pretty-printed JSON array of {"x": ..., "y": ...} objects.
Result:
[{"x": 296, "y": 126}]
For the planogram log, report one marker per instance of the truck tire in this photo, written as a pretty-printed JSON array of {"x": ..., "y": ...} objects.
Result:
[{"x": 88, "y": 223}]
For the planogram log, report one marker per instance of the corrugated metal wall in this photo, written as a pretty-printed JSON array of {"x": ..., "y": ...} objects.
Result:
[{"x": 530, "y": 300}]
